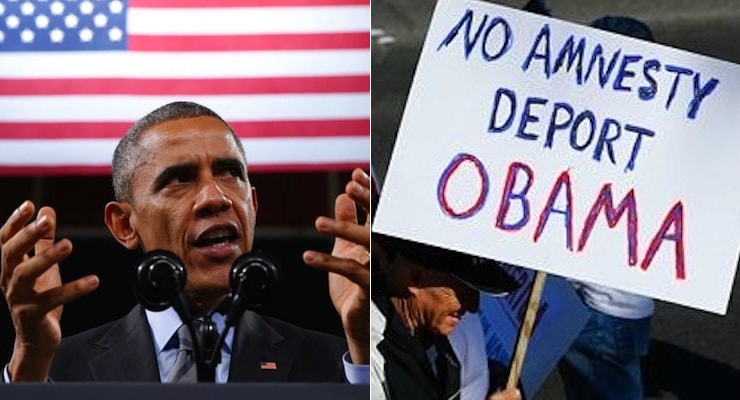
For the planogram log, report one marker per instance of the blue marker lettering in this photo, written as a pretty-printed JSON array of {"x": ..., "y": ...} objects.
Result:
[
  {"x": 624, "y": 72},
  {"x": 528, "y": 117},
  {"x": 512, "y": 110},
  {"x": 649, "y": 92},
  {"x": 544, "y": 37}
]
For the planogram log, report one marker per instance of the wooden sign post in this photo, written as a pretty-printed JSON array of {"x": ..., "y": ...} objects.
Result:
[{"x": 525, "y": 332}]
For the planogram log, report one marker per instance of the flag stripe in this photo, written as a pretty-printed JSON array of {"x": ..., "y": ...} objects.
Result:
[
  {"x": 185, "y": 65},
  {"x": 106, "y": 169},
  {"x": 337, "y": 84},
  {"x": 268, "y": 365},
  {"x": 260, "y": 151},
  {"x": 248, "y": 21},
  {"x": 242, "y": 3},
  {"x": 244, "y": 129},
  {"x": 75, "y": 108},
  {"x": 304, "y": 41}
]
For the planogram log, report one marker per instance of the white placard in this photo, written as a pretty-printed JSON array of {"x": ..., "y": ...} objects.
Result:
[{"x": 571, "y": 150}]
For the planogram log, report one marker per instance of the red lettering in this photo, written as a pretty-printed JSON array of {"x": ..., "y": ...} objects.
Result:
[
  {"x": 562, "y": 182},
  {"x": 452, "y": 167},
  {"x": 509, "y": 194},
  {"x": 604, "y": 202},
  {"x": 674, "y": 219}
]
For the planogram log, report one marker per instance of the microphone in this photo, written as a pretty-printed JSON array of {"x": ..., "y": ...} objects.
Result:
[
  {"x": 160, "y": 283},
  {"x": 252, "y": 278}
]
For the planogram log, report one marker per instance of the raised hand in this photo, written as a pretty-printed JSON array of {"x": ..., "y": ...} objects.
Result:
[
  {"x": 33, "y": 288},
  {"x": 508, "y": 394},
  {"x": 349, "y": 264}
]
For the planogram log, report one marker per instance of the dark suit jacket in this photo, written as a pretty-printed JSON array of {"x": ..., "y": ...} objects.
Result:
[{"x": 123, "y": 350}]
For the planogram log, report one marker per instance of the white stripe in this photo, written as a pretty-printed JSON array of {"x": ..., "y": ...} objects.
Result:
[
  {"x": 184, "y": 64},
  {"x": 263, "y": 151},
  {"x": 260, "y": 151},
  {"x": 230, "y": 107},
  {"x": 248, "y": 20}
]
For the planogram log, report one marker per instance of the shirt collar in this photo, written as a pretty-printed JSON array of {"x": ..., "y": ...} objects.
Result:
[{"x": 165, "y": 323}]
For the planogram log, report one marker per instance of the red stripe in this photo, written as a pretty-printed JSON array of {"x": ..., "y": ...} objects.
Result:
[
  {"x": 108, "y": 86},
  {"x": 241, "y": 3},
  {"x": 60, "y": 170},
  {"x": 245, "y": 129},
  {"x": 301, "y": 41},
  {"x": 32, "y": 170}
]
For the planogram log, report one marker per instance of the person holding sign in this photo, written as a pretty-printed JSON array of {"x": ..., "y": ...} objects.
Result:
[
  {"x": 419, "y": 295},
  {"x": 604, "y": 361}
]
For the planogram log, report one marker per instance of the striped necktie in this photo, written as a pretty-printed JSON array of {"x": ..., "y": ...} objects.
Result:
[{"x": 184, "y": 370}]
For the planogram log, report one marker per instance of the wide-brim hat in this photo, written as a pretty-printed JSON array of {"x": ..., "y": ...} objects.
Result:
[{"x": 480, "y": 273}]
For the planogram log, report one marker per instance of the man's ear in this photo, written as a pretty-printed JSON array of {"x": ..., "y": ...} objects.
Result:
[
  {"x": 254, "y": 199},
  {"x": 118, "y": 220}
]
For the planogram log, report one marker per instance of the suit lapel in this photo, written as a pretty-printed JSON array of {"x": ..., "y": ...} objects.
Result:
[
  {"x": 129, "y": 351},
  {"x": 260, "y": 353}
]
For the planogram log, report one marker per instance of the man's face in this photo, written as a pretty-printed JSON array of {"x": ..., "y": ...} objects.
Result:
[
  {"x": 442, "y": 300},
  {"x": 191, "y": 196}
]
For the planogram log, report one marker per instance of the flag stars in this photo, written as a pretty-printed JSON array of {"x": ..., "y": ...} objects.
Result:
[
  {"x": 87, "y": 7},
  {"x": 115, "y": 34},
  {"x": 27, "y": 36},
  {"x": 27, "y": 8},
  {"x": 56, "y": 35},
  {"x": 62, "y": 25},
  {"x": 115, "y": 6},
  {"x": 42, "y": 21},
  {"x": 100, "y": 20},
  {"x": 12, "y": 21},
  {"x": 71, "y": 21},
  {"x": 57, "y": 8},
  {"x": 86, "y": 35}
]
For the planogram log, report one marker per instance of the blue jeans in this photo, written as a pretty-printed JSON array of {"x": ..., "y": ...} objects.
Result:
[{"x": 604, "y": 361}]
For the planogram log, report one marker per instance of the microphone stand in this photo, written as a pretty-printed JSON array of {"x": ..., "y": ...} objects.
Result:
[
  {"x": 160, "y": 280},
  {"x": 235, "y": 312},
  {"x": 249, "y": 287},
  {"x": 205, "y": 371},
  {"x": 206, "y": 350},
  {"x": 207, "y": 366}
]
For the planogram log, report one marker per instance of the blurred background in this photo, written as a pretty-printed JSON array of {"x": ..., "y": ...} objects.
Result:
[
  {"x": 693, "y": 354},
  {"x": 292, "y": 79}
]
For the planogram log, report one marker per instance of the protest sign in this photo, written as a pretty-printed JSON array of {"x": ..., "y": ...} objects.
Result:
[{"x": 570, "y": 150}]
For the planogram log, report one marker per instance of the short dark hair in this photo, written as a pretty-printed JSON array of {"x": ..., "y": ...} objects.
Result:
[
  {"x": 125, "y": 158},
  {"x": 624, "y": 25}
]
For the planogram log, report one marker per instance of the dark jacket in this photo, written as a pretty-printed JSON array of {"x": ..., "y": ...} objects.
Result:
[
  {"x": 123, "y": 350},
  {"x": 408, "y": 372}
]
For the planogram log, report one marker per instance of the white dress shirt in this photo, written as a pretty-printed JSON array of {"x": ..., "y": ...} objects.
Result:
[{"x": 164, "y": 325}]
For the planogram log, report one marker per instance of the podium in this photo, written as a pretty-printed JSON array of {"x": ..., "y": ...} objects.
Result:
[{"x": 158, "y": 391}]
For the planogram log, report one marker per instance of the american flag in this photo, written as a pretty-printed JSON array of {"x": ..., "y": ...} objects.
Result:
[
  {"x": 268, "y": 365},
  {"x": 292, "y": 77}
]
